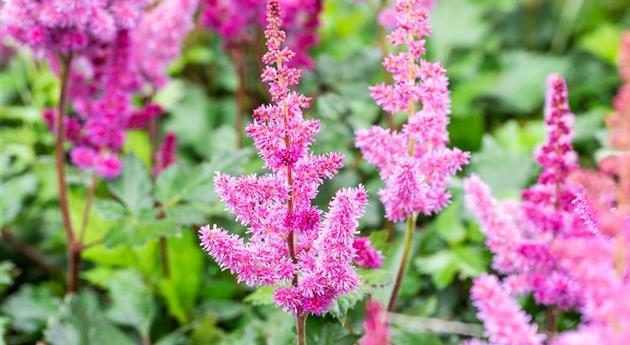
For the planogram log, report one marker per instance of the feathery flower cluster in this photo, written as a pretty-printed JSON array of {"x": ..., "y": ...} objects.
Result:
[
  {"x": 165, "y": 156},
  {"x": 366, "y": 255},
  {"x": 521, "y": 234},
  {"x": 504, "y": 321},
  {"x": 69, "y": 25},
  {"x": 555, "y": 243},
  {"x": 600, "y": 262},
  {"x": 159, "y": 36},
  {"x": 415, "y": 163},
  {"x": 306, "y": 259},
  {"x": 116, "y": 57},
  {"x": 387, "y": 16},
  {"x": 375, "y": 325},
  {"x": 237, "y": 20}
]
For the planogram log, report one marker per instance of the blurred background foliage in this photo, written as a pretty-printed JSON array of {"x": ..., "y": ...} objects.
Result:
[{"x": 497, "y": 53}]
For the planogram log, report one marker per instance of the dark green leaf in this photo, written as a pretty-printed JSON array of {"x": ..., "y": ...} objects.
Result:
[
  {"x": 132, "y": 301},
  {"x": 81, "y": 322}
]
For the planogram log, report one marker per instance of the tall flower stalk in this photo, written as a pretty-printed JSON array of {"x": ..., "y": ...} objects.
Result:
[
  {"x": 415, "y": 163},
  {"x": 561, "y": 243},
  {"x": 306, "y": 259}
]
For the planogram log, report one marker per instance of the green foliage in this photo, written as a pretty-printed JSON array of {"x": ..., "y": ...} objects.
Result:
[
  {"x": 80, "y": 321},
  {"x": 132, "y": 301},
  {"x": 30, "y": 307}
]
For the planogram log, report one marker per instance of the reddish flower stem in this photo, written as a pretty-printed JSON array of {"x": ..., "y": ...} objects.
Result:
[{"x": 73, "y": 248}]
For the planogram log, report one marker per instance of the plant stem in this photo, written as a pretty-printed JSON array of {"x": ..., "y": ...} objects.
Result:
[
  {"x": 411, "y": 222},
  {"x": 72, "y": 250},
  {"x": 551, "y": 321},
  {"x": 30, "y": 252},
  {"x": 166, "y": 267},
  {"x": 153, "y": 143},
  {"x": 301, "y": 329},
  {"x": 87, "y": 207}
]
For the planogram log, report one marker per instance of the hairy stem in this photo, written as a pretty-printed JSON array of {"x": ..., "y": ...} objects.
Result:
[
  {"x": 301, "y": 329},
  {"x": 411, "y": 222},
  {"x": 73, "y": 250}
]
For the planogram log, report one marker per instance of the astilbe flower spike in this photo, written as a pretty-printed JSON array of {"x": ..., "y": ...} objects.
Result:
[
  {"x": 307, "y": 257},
  {"x": 415, "y": 163},
  {"x": 504, "y": 321},
  {"x": 376, "y": 329},
  {"x": 555, "y": 242},
  {"x": 107, "y": 69}
]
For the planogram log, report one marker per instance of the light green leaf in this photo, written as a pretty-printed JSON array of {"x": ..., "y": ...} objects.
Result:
[
  {"x": 7, "y": 273},
  {"x": 181, "y": 289},
  {"x": 521, "y": 84},
  {"x": 139, "y": 234},
  {"x": 261, "y": 296},
  {"x": 456, "y": 23},
  {"x": 133, "y": 187},
  {"x": 449, "y": 225},
  {"x": 81, "y": 322},
  {"x": 30, "y": 307},
  {"x": 603, "y": 41},
  {"x": 110, "y": 209},
  {"x": 132, "y": 301}
]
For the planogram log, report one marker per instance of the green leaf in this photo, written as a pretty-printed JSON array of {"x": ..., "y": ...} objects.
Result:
[
  {"x": 603, "y": 42},
  {"x": 472, "y": 261},
  {"x": 261, "y": 296},
  {"x": 133, "y": 187},
  {"x": 14, "y": 191},
  {"x": 139, "y": 234},
  {"x": 503, "y": 170},
  {"x": 132, "y": 301},
  {"x": 181, "y": 289},
  {"x": 442, "y": 267},
  {"x": 345, "y": 303},
  {"x": 4, "y": 325},
  {"x": 110, "y": 209},
  {"x": 456, "y": 23},
  {"x": 30, "y": 307},
  {"x": 521, "y": 84},
  {"x": 449, "y": 225},
  {"x": 185, "y": 215},
  {"x": 7, "y": 273},
  {"x": 81, "y": 322}
]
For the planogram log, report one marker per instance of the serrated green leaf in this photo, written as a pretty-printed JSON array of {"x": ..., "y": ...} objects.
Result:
[
  {"x": 132, "y": 301},
  {"x": 185, "y": 215},
  {"x": 30, "y": 307},
  {"x": 340, "y": 306},
  {"x": 81, "y": 322},
  {"x": 139, "y": 234},
  {"x": 110, "y": 209},
  {"x": 133, "y": 187}
]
